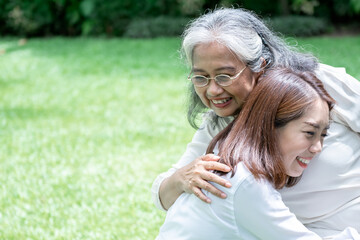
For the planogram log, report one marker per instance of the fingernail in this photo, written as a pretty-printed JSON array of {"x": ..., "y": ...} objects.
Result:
[
  {"x": 228, "y": 184},
  {"x": 208, "y": 200},
  {"x": 223, "y": 195}
]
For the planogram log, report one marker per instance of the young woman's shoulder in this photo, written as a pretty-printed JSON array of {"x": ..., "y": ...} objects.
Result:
[
  {"x": 248, "y": 184},
  {"x": 257, "y": 205}
]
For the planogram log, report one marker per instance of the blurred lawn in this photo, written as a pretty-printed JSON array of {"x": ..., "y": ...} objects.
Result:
[{"x": 87, "y": 124}]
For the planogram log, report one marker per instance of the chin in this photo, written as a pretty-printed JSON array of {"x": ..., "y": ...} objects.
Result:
[
  {"x": 297, "y": 174},
  {"x": 224, "y": 113}
]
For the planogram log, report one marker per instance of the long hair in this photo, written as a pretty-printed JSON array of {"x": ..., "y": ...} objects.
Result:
[
  {"x": 281, "y": 96},
  {"x": 244, "y": 34}
]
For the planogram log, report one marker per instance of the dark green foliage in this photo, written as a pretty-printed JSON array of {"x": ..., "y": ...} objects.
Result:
[
  {"x": 140, "y": 18},
  {"x": 109, "y": 17},
  {"x": 262, "y": 7},
  {"x": 299, "y": 25},
  {"x": 339, "y": 11},
  {"x": 41, "y": 17},
  {"x": 156, "y": 27},
  {"x": 77, "y": 17},
  {"x": 26, "y": 17}
]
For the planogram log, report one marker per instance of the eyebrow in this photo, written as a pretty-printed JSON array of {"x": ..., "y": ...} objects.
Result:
[
  {"x": 217, "y": 70},
  {"x": 317, "y": 126}
]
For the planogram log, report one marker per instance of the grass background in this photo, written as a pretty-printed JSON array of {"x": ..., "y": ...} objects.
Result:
[{"x": 87, "y": 124}]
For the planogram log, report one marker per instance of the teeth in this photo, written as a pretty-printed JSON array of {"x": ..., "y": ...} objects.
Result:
[
  {"x": 220, "y": 101},
  {"x": 305, "y": 161}
]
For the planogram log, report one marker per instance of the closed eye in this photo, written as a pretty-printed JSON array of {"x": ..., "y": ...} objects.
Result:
[
  {"x": 323, "y": 135},
  {"x": 310, "y": 133}
]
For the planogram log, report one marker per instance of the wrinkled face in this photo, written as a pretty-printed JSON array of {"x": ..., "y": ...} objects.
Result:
[
  {"x": 212, "y": 59},
  {"x": 300, "y": 140}
]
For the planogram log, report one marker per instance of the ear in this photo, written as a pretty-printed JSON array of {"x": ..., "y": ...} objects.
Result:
[{"x": 263, "y": 65}]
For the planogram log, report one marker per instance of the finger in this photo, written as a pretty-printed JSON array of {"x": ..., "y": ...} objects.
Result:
[
  {"x": 210, "y": 188},
  {"x": 217, "y": 166},
  {"x": 197, "y": 192},
  {"x": 212, "y": 177}
]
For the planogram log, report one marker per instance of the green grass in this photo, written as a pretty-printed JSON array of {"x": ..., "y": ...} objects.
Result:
[{"x": 86, "y": 126}]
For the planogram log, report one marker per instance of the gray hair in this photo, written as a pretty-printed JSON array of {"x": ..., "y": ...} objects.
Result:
[{"x": 244, "y": 34}]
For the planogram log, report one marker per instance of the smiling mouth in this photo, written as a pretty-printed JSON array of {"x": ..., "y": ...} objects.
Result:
[
  {"x": 220, "y": 101},
  {"x": 303, "y": 162}
]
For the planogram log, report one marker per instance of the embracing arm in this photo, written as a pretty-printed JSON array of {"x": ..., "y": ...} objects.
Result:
[{"x": 192, "y": 172}]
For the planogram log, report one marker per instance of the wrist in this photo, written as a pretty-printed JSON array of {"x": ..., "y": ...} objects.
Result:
[
  {"x": 178, "y": 182},
  {"x": 170, "y": 190}
]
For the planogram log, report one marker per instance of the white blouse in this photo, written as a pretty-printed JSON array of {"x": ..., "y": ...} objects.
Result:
[
  {"x": 327, "y": 198},
  {"x": 252, "y": 210}
]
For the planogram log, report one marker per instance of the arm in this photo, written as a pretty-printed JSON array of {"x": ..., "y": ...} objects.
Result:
[
  {"x": 260, "y": 210},
  {"x": 346, "y": 91},
  {"x": 190, "y": 173}
]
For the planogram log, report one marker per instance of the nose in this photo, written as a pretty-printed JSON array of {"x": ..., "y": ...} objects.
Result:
[
  {"x": 317, "y": 146},
  {"x": 214, "y": 89}
]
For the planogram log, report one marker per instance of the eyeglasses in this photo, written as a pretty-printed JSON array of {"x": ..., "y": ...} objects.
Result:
[{"x": 223, "y": 80}]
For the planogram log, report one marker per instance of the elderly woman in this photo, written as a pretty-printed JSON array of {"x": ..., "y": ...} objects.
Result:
[{"x": 228, "y": 50}]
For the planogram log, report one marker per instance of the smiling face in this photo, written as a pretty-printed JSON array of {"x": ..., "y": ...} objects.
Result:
[
  {"x": 212, "y": 59},
  {"x": 301, "y": 139}
]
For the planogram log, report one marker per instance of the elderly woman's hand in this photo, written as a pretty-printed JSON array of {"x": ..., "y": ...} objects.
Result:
[{"x": 197, "y": 175}]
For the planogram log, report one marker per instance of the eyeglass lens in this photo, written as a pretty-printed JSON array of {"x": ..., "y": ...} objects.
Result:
[{"x": 222, "y": 80}]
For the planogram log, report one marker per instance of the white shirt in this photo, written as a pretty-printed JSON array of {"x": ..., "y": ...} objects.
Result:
[
  {"x": 327, "y": 198},
  {"x": 252, "y": 210}
]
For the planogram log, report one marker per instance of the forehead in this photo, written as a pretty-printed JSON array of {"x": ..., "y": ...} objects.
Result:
[
  {"x": 213, "y": 55},
  {"x": 317, "y": 114}
]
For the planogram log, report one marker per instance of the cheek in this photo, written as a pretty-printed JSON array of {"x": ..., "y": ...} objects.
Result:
[
  {"x": 294, "y": 147},
  {"x": 201, "y": 92},
  {"x": 243, "y": 87},
  {"x": 240, "y": 93},
  {"x": 286, "y": 145}
]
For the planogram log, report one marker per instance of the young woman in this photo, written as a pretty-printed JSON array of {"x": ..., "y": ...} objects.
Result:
[
  {"x": 229, "y": 49},
  {"x": 276, "y": 135}
]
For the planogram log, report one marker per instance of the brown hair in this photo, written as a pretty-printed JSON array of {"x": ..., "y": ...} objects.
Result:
[{"x": 281, "y": 95}]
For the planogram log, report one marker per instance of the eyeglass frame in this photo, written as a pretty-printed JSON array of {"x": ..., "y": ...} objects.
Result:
[{"x": 231, "y": 79}]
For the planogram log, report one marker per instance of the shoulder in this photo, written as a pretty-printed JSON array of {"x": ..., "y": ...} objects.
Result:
[
  {"x": 331, "y": 76},
  {"x": 344, "y": 88},
  {"x": 251, "y": 188},
  {"x": 330, "y": 69}
]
